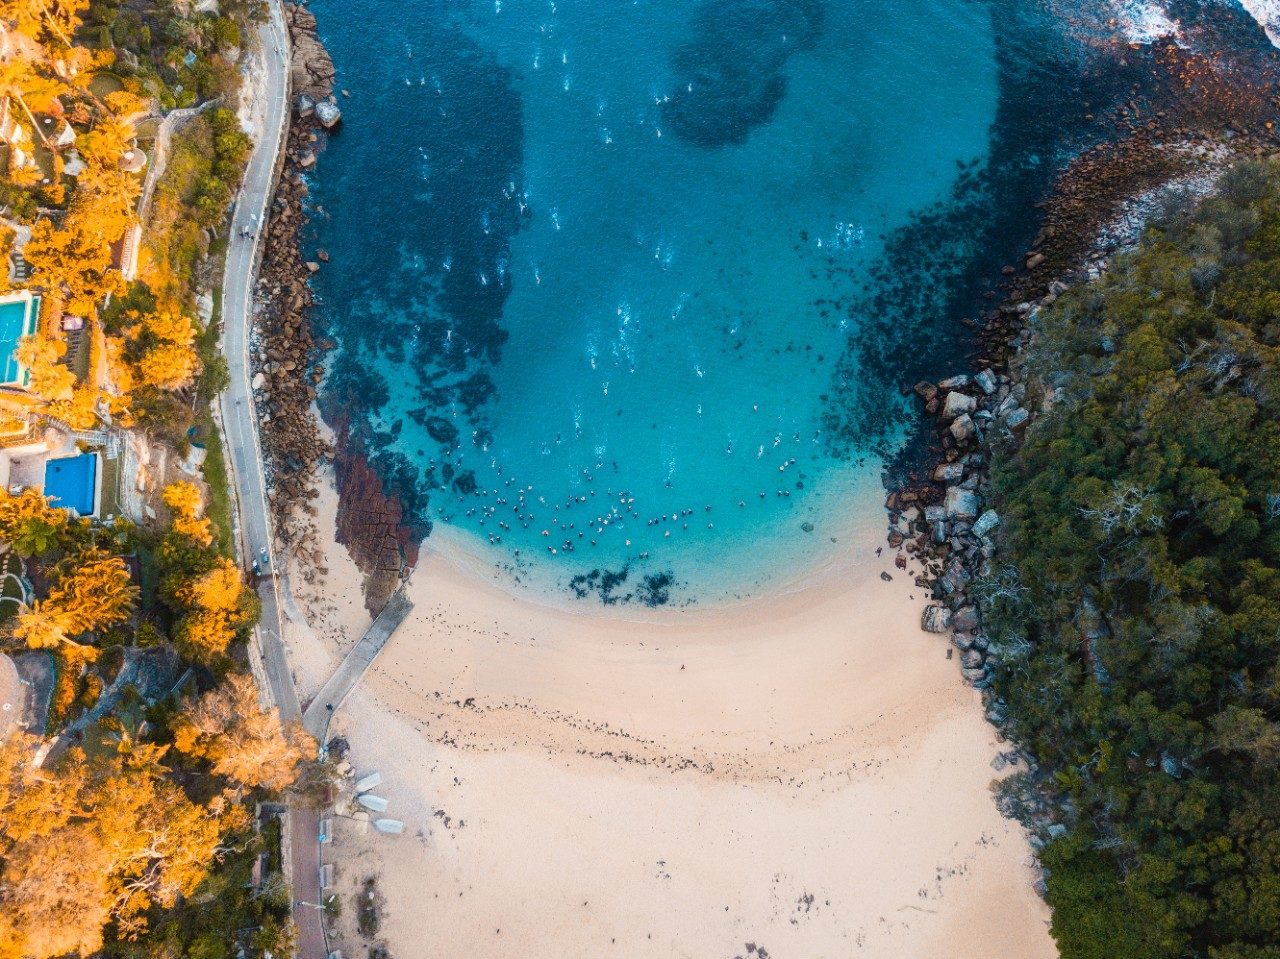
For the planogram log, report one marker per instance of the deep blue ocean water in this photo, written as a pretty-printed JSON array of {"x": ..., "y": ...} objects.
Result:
[{"x": 632, "y": 287}]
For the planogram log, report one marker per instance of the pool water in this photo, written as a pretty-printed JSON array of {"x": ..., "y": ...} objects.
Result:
[
  {"x": 70, "y": 482},
  {"x": 17, "y": 319}
]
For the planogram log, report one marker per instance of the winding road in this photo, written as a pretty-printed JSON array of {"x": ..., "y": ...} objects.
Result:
[{"x": 240, "y": 426}]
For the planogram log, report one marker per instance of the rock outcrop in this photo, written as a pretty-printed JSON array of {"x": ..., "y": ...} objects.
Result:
[
  {"x": 288, "y": 361},
  {"x": 311, "y": 68}
]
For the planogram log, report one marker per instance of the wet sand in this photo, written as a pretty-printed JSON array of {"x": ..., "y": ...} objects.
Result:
[{"x": 805, "y": 775}]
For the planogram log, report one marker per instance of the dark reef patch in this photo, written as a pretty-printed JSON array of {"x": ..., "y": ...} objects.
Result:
[
  {"x": 439, "y": 311},
  {"x": 729, "y": 75},
  {"x": 918, "y": 315},
  {"x": 608, "y": 586}
]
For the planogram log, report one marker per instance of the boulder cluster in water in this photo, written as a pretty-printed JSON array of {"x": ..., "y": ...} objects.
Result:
[{"x": 938, "y": 514}]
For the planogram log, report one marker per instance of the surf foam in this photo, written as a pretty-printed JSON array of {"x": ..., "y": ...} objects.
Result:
[
  {"x": 1267, "y": 13},
  {"x": 1142, "y": 21}
]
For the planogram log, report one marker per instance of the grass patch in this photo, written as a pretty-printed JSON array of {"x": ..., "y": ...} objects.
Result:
[
  {"x": 110, "y": 505},
  {"x": 215, "y": 475},
  {"x": 104, "y": 83},
  {"x": 150, "y": 578}
]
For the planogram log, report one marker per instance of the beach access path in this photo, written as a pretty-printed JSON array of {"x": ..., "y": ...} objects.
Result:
[
  {"x": 355, "y": 664},
  {"x": 240, "y": 426}
]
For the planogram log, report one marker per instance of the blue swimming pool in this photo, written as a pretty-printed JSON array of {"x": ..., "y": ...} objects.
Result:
[
  {"x": 17, "y": 319},
  {"x": 70, "y": 482}
]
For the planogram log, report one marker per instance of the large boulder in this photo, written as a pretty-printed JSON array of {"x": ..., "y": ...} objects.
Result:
[
  {"x": 936, "y": 619},
  {"x": 328, "y": 113},
  {"x": 966, "y": 619},
  {"x": 962, "y": 428},
  {"x": 948, "y": 473},
  {"x": 986, "y": 523},
  {"x": 926, "y": 390},
  {"x": 961, "y": 504},
  {"x": 1016, "y": 418},
  {"x": 957, "y": 403},
  {"x": 976, "y": 675}
]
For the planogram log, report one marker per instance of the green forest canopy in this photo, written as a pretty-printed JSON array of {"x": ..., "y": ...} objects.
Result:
[{"x": 1139, "y": 636}]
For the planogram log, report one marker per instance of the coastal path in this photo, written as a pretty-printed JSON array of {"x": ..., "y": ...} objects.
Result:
[
  {"x": 354, "y": 664},
  {"x": 240, "y": 426}
]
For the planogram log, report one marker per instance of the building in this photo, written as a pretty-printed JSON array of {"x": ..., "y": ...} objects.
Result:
[{"x": 124, "y": 252}]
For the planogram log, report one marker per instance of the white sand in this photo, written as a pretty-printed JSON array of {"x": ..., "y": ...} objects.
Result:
[{"x": 808, "y": 775}]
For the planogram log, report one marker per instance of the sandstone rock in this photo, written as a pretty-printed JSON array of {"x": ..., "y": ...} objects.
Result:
[
  {"x": 948, "y": 473},
  {"x": 966, "y": 619},
  {"x": 259, "y": 379},
  {"x": 986, "y": 382},
  {"x": 958, "y": 403},
  {"x": 954, "y": 382},
  {"x": 1016, "y": 418},
  {"x": 975, "y": 675},
  {"x": 962, "y": 428},
  {"x": 961, "y": 504},
  {"x": 986, "y": 523},
  {"x": 936, "y": 619},
  {"x": 328, "y": 114},
  {"x": 955, "y": 580}
]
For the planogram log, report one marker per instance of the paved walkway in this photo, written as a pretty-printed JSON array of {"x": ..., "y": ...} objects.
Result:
[
  {"x": 353, "y": 666},
  {"x": 240, "y": 425}
]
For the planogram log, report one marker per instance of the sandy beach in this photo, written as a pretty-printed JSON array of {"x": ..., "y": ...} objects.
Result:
[{"x": 806, "y": 775}]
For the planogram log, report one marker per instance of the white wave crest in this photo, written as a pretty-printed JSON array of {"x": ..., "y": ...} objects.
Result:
[
  {"x": 1143, "y": 21},
  {"x": 1267, "y": 13}
]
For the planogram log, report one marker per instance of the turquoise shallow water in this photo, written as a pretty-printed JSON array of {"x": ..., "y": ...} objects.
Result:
[
  {"x": 670, "y": 307},
  {"x": 597, "y": 267}
]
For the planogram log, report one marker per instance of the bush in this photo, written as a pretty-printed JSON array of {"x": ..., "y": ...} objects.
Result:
[{"x": 1142, "y": 515}]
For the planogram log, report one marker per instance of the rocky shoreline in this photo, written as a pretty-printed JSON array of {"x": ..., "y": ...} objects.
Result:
[
  {"x": 1097, "y": 209},
  {"x": 289, "y": 359}
]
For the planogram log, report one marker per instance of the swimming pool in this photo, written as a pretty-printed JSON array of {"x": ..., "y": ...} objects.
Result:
[
  {"x": 18, "y": 312},
  {"x": 71, "y": 482}
]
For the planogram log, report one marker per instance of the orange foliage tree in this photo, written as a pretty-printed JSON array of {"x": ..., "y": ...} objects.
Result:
[
  {"x": 241, "y": 740},
  {"x": 95, "y": 841}
]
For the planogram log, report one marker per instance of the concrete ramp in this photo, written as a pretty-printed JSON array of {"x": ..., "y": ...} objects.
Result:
[{"x": 353, "y": 667}]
